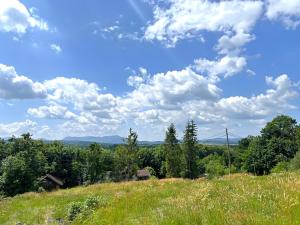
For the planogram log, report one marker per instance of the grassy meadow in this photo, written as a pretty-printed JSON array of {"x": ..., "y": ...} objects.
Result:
[{"x": 236, "y": 199}]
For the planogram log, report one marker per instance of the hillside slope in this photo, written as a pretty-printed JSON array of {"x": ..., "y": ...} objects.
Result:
[{"x": 239, "y": 199}]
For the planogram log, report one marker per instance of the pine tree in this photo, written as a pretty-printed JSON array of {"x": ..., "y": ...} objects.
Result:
[
  {"x": 173, "y": 153},
  {"x": 190, "y": 150},
  {"x": 132, "y": 143},
  {"x": 130, "y": 157}
]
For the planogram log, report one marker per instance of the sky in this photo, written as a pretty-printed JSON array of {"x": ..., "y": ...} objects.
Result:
[{"x": 97, "y": 68}]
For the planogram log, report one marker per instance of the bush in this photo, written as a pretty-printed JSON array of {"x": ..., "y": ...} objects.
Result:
[
  {"x": 85, "y": 208},
  {"x": 151, "y": 171},
  {"x": 75, "y": 209},
  {"x": 41, "y": 190},
  {"x": 214, "y": 168},
  {"x": 295, "y": 162},
  {"x": 280, "y": 167},
  {"x": 91, "y": 202}
]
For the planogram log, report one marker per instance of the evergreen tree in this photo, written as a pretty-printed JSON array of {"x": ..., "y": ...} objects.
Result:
[
  {"x": 173, "y": 153},
  {"x": 132, "y": 143},
  {"x": 298, "y": 137},
  {"x": 126, "y": 157},
  {"x": 190, "y": 150},
  {"x": 94, "y": 167}
]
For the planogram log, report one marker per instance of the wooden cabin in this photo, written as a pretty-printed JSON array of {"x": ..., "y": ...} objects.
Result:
[
  {"x": 143, "y": 174},
  {"x": 50, "y": 182}
]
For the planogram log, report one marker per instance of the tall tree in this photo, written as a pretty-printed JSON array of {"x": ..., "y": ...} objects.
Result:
[
  {"x": 190, "y": 150},
  {"x": 277, "y": 143},
  {"x": 298, "y": 137},
  {"x": 94, "y": 166},
  {"x": 126, "y": 157},
  {"x": 132, "y": 142},
  {"x": 173, "y": 153}
]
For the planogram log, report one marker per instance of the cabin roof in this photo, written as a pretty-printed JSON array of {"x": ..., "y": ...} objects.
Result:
[
  {"x": 143, "y": 173},
  {"x": 54, "y": 179}
]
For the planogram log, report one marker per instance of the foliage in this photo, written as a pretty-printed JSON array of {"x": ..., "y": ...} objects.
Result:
[
  {"x": 24, "y": 161},
  {"x": 295, "y": 162},
  {"x": 190, "y": 150},
  {"x": 173, "y": 153},
  {"x": 74, "y": 210},
  {"x": 214, "y": 165},
  {"x": 15, "y": 177},
  {"x": 83, "y": 209},
  {"x": 94, "y": 165},
  {"x": 281, "y": 167},
  {"x": 277, "y": 143}
]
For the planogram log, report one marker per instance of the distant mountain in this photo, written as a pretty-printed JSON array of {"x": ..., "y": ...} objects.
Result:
[
  {"x": 115, "y": 139},
  {"x": 220, "y": 141}
]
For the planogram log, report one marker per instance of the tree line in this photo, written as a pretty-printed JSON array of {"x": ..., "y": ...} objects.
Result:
[{"x": 24, "y": 161}]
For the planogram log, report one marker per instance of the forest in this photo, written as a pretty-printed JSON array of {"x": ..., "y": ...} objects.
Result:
[{"x": 24, "y": 161}]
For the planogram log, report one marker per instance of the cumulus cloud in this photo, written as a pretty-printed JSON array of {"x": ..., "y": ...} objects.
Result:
[
  {"x": 232, "y": 45},
  {"x": 171, "y": 89},
  {"x": 180, "y": 19},
  {"x": 287, "y": 11},
  {"x": 14, "y": 86},
  {"x": 162, "y": 98},
  {"x": 226, "y": 66},
  {"x": 52, "y": 111},
  {"x": 138, "y": 78},
  {"x": 16, "y": 17},
  {"x": 17, "y": 128},
  {"x": 275, "y": 100},
  {"x": 84, "y": 95}
]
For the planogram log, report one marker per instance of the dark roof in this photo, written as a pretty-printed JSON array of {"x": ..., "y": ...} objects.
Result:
[
  {"x": 143, "y": 173},
  {"x": 54, "y": 179}
]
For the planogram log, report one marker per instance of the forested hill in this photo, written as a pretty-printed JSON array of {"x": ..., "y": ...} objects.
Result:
[
  {"x": 25, "y": 162},
  {"x": 115, "y": 140}
]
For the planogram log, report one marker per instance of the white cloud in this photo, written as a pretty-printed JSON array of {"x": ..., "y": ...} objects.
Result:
[
  {"x": 84, "y": 95},
  {"x": 226, "y": 66},
  {"x": 15, "y": 17},
  {"x": 14, "y": 86},
  {"x": 174, "y": 96},
  {"x": 171, "y": 89},
  {"x": 52, "y": 111},
  {"x": 56, "y": 48},
  {"x": 17, "y": 128},
  {"x": 287, "y": 11},
  {"x": 232, "y": 45},
  {"x": 182, "y": 19},
  {"x": 275, "y": 100},
  {"x": 138, "y": 78}
]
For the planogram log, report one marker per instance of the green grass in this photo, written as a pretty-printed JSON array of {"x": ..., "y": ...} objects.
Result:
[{"x": 236, "y": 199}]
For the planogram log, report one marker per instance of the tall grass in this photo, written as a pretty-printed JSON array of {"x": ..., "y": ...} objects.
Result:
[{"x": 237, "y": 199}]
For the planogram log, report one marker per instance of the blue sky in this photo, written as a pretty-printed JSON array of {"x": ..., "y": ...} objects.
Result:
[{"x": 77, "y": 68}]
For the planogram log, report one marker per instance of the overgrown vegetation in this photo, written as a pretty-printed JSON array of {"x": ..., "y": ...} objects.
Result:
[
  {"x": 230, "y": 200},
  {"x": 25, "y": 161}
]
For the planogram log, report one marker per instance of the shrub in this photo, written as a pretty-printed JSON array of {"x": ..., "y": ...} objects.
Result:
[
  {"x": 75, "y": 209},
  {"x": 151, "y": 171},
  {"x": 214, "y": 168},
  {"x": 281, "y": 167},
  {"x": 295, "y": 162},
  {"x": 81, "y": 209},
  {"x": 41, "y": 190},
  {"x": 91, "y": 202}
]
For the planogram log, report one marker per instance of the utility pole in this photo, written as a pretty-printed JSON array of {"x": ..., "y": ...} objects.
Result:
[{"x": 228, "y": 148}]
